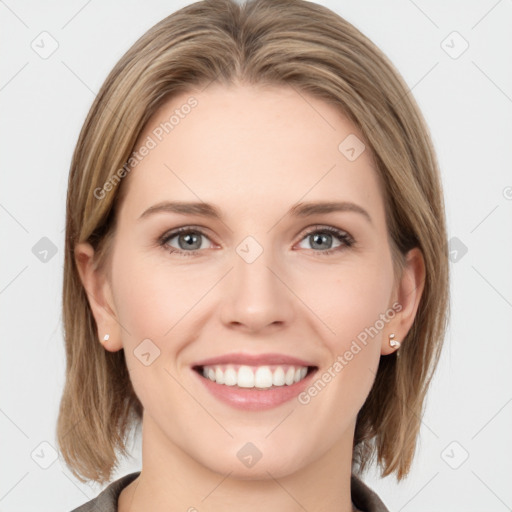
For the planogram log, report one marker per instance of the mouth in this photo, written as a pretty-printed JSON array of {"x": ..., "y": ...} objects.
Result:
[
  {"x": 254, "y": 383},
  {"x": 250, "y": 377}
]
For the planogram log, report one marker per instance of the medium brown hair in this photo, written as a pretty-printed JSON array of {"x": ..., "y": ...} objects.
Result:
[{"x": 277, "y": 42}]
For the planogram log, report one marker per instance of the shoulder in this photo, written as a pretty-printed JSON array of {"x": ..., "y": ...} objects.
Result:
[
  {"x": 106, "y": 501},
  {"x": 364, "y": 498}
]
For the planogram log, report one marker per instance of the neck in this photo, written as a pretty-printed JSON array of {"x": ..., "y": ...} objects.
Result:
[{"x": 171, "y": 480}]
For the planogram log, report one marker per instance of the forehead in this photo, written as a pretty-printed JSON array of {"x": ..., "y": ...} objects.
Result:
[{"x": 249, "y": 146}]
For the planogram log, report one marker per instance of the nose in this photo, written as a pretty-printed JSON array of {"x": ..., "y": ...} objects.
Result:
[{"x": 256, "y": 294}]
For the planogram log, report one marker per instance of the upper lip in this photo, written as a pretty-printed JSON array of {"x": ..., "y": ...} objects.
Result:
[{"x": 254, "y": 360}]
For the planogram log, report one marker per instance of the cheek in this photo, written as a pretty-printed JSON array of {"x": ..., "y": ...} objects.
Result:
[
  {"x": 355, "y": 307},
  {"x": 150, "y": 297},
  {"x": 138, "y": 303},
  {"x": 354, "y": 300},
  {"x": 149, "y": 303}
]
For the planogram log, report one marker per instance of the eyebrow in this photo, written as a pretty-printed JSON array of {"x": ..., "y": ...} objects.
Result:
[{"x": 297, "y": 210}]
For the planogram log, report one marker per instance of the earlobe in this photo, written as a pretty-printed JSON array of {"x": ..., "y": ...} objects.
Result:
[
  {"x": 408, "y": 295},
  {"x": 99, "y": 295}
]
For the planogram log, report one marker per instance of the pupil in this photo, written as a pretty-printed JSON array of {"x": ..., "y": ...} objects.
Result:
[
  {"x": 322, "y": 237},
  {"x": 190, "y": 240}
]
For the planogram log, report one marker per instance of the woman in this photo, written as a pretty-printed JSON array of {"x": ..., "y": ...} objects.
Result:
[{"x": 256, "y": 266}]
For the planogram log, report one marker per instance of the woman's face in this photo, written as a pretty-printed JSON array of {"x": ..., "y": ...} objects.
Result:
[{"x": 272, "y": 275}]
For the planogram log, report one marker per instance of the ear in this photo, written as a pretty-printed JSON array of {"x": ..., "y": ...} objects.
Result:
[
  {"x": 99, "y": 294},
  {"x": 408, "y": 295}
]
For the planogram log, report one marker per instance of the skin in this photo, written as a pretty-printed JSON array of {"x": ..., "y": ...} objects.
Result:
[{"x": 253, "y": 152}]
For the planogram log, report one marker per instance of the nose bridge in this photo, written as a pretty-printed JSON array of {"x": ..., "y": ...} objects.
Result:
[{"x": 256, "y": 297}]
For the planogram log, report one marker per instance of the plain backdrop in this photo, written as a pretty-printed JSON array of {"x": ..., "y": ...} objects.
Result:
[{"x": 455, "y": 56}]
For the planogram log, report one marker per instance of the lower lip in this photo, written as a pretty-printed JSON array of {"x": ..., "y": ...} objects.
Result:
[{"x": 254, "y": 399}]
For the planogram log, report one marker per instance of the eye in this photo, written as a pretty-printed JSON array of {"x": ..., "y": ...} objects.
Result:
[
  {"x": 189, "y": 241},
  {"x": 321, "y": 237}
]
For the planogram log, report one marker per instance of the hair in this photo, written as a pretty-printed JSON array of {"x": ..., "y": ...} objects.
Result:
[{"x": 262, "y": 42}]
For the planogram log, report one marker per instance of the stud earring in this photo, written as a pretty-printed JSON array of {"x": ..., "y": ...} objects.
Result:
[
  {"x": 106, "y": 337},
  {"x": 394, "y": 343}
]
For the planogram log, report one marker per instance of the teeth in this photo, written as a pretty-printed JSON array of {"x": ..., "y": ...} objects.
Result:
[
  {"x": 219, "y": 376},
  {"x": 261, "y": 377},
  {"x": 245, "y": 377},
  {"x": 278, "y": 377},
  {"x": 290, "y": 376},
  {"x": 230, "y": 377}
]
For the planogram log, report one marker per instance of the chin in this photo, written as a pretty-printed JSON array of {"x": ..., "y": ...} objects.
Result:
[{"x": 246, "y": 462}]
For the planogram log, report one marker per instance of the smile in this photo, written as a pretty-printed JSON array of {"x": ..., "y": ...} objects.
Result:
[
  {"x": 254, "y": 382},
  {"x": 261, "y": 377}
]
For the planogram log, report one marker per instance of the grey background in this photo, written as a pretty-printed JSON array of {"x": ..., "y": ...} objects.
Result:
[{"x": 467, "y": 101}]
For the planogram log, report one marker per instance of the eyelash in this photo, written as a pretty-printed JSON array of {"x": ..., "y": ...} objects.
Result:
[{"x": 346, "y": 240}]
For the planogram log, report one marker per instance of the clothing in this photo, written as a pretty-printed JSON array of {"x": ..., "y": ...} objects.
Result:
[{"x": 363, "y": 497}]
